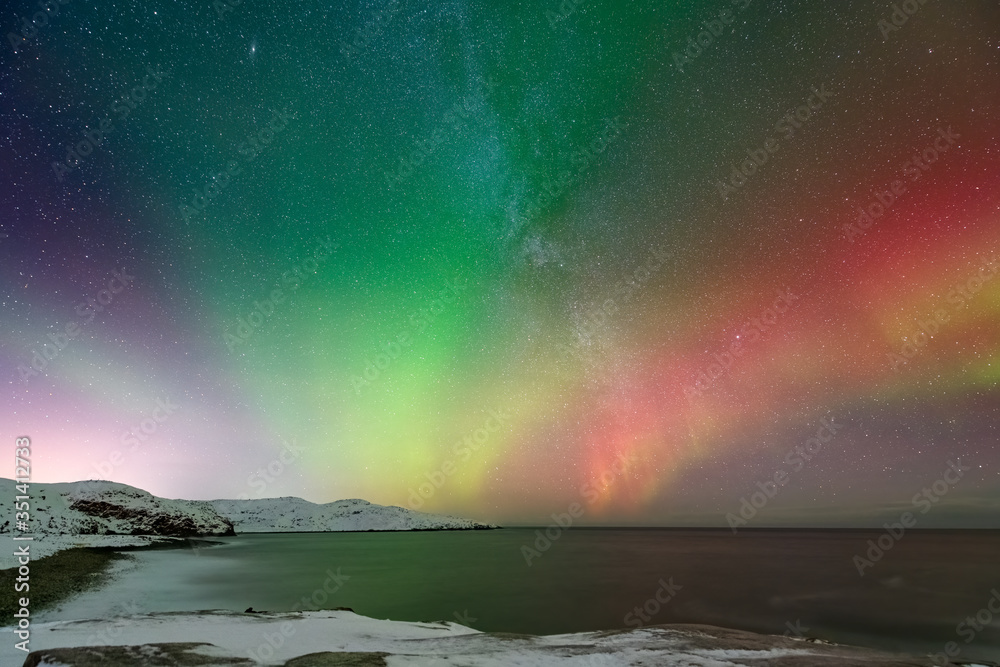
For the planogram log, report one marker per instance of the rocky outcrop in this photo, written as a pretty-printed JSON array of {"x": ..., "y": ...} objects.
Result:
[
  {"x": 180, "y": 654},
  {"x": 107, "y": 508},
  {"x": 145, "y": 522}
]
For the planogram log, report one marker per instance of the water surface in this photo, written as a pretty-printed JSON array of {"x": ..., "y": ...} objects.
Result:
[{"x": 765, "y": 581}]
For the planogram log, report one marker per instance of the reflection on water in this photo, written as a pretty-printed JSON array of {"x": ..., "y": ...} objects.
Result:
[{"x": 765, "y": 581}]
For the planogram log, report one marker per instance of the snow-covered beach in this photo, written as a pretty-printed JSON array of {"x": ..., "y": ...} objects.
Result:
[{"x": 334, "y": 637}]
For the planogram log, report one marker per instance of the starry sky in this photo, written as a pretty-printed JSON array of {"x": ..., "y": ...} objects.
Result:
[{"x": 495, "y": 258}]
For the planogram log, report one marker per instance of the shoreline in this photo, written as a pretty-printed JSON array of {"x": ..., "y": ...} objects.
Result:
[
  {"x": 101, "y": 601},
  {"x": 61, "y": 576},
  {"x": 72, "y": 565},
  {"x": 342, "y": 637},
  {"x": 49, "y": 544}
]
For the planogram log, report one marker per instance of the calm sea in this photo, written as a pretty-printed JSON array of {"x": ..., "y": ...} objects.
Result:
[{"x": 913, "y": 598}]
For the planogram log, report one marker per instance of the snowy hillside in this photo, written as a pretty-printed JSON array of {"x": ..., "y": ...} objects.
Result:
[
  {"x": 100, "y": 513},
  {"x": 272, "y": 515},
  {"x": 108, "y": 508}
]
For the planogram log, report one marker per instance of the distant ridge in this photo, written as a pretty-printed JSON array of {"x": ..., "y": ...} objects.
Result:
[
  {"x": 290, "y": 514},
  {"x": 98, "y": 513}
]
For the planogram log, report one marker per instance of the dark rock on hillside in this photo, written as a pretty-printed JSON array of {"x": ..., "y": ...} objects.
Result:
[{"x": 151, "y": 522}]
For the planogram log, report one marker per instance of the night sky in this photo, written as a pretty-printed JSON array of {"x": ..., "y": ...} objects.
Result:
[{"x": 495, "y": 258}]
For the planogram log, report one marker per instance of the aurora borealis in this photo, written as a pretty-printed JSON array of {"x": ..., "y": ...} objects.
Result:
[{"x": 500, "y": 247}]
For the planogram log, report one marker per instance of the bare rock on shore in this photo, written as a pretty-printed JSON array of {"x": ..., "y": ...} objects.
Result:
[{"x": 343, "y": 638}]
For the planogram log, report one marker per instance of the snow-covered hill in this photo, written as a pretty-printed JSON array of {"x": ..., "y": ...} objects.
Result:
[
  {"x": 289, "y": 514},
  {"x": 99, "y": 513},
  {"x": 109, "y": 508}
]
